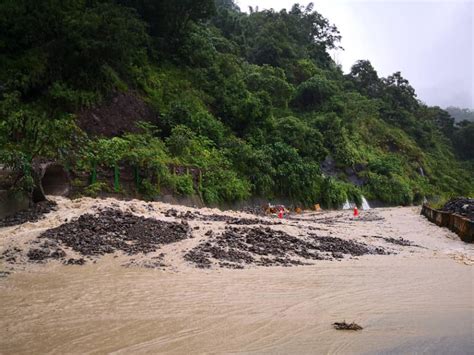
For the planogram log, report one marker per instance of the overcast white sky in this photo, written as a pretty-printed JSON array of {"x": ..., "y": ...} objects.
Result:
[{"x": 430, "y": 41}]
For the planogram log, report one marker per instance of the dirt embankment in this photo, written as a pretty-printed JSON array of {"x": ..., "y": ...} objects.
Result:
[{"x": 116, "y": 116}]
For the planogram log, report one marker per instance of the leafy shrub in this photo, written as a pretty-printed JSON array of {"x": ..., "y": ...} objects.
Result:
[
  {"x": 224, "y": 186},
  {"x": 394, "y": 190},
  {"x": 312, "y": 93},
  {"x": 93, "y": 190},
  {"x": 183, "y": 185},
  {"x": 333, "y": 193},
  {"x": 149, "y": 189}
]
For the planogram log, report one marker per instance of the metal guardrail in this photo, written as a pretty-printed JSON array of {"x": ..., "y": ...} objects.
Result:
[{"x": 462, "y": 226}]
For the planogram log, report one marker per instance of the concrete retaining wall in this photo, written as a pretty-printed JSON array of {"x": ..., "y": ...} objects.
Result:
[
  {"x": 12, "y": 203},
  {"x": 460, "y": 225}
]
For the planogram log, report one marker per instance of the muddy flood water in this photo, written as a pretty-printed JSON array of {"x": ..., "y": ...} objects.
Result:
[{"x": 407, "y": 282}]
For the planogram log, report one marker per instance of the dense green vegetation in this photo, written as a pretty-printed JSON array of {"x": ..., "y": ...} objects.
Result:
[{"x": 252, "y": 100}]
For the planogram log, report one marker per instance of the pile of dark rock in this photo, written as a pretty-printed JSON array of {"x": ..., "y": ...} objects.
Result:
[
  {"x": 339, "y": 247},
  {"x": 107, "y": 232},
  {"x": 237, "y": 220},
  {"x": 10, "y": 254},
  {"x": 218, "y": 218},
  {"x": 32, "y": 214},
  {"x": 256, "y": 210},
  {"x": 397, "y": 241},
  {"x": 461, "y": 205},
  {"x": 236, "y": 247},
  {"x": 182, "y": 215}
]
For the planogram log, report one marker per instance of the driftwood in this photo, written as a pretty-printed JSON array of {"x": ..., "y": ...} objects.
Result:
[{"x": 345, "y": 326}]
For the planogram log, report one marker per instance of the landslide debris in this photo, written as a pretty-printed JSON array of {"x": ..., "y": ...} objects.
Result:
[
  {"x": 107, "y": 232},
  {"x": 236, "y": 247},
  {"x": 460, "y": 205},
  {"x": 32, "y": 214},
  {"x": 218, "y": 218},
  {"x": 397, "y": 241},
  {"x": 255, "y": 210}
]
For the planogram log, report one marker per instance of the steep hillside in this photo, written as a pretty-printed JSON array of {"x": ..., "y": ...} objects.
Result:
[{"x": 202, "y": 99}]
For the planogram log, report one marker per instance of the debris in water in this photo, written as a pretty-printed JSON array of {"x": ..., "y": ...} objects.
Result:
[{"x": 346, "y": 326}]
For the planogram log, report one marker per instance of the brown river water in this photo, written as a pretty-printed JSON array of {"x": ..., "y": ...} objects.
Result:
[{"x": 418, "y": 301}]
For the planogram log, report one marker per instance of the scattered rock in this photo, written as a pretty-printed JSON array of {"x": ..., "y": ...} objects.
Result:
[
  {"x": 396, "y": 241},
  {"x": 188, "y": 215},
  {"x": 339, "y": 246},
  {"x": 369, "y": 217},
  {"x": 399, "y": 241},
  {"x": 255, "y": 210},
  {"x": 153, "y": 263},
  {"x": 183, "y": 215},
  {"x": 460, "y": 205},
  {"x": 199, "y": 258},
  {"x": 38, "y": 254},
  {"x": 10, "y": 254},
  {"x": 268, "y": 247},
  {"x": 80, "y": 261}
]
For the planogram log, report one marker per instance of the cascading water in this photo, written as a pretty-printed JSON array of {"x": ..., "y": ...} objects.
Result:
[
  {"x": 422, "y": 173},
  {"x": 348, "y": 205},
  {"x": 365, "y": 204}
]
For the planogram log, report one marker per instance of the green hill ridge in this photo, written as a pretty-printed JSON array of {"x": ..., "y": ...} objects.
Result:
[{"x": 253, "y": 101}]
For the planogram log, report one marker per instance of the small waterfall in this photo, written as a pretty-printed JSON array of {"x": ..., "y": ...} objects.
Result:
[
  {"x": 422, "y": 173},
  {"x": 348, "y": 205},
  {"x": 365, "y": 204}
]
